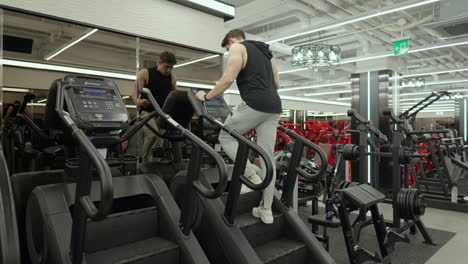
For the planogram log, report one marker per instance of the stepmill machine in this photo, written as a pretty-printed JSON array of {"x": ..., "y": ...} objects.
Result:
[
  {"x": 93, "y": 217},
  {"x": 227, "y": 230}
]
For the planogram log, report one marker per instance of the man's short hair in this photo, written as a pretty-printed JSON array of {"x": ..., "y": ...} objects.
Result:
[
  {"x": 167, "y": 57},
  {"x": 235, "y": 33}
]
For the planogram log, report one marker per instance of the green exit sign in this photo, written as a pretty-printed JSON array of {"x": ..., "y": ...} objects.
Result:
[{"x": 401, "y": 47}]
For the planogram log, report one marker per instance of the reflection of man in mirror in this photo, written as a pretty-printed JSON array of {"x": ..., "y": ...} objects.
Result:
[
  {"x": 13, "y": 109},
  {"x": 161, "y": 81}
]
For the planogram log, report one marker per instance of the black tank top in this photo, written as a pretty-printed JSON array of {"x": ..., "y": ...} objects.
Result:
[
  {"x": 256, "y": 82},
  {"x": 160, "y": 86}
]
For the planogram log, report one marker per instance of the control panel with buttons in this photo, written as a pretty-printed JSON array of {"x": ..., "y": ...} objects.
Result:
[
  {"x": 98, "y": 105},
  {"x": 215, "y": 107}
]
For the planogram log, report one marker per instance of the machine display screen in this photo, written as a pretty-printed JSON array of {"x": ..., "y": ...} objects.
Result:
[
  {"x": 214, "y": 102},
  {"x": 94, "y": 93}
]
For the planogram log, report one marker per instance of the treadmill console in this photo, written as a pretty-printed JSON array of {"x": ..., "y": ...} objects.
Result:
[
  {"x": 95, "y": 102},
  {"x": 216, "y": 107}
]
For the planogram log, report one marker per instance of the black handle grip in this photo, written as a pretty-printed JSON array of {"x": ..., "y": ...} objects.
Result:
[
  {"x": 359, "y": 118},
  {"x": 389, "y": 112},
  {"x": 26, "y": 120},
  {"x": 222, "y": 169},
  {"x": 223, "y": 175},
  {"x": 137, "y": 126},
  {"x": 103, "y": 170},
  {"x": 268, "y": 162},
  {"x": 165, "y": 136},
  {"x": 315, "y": 148},
  {"x": 105, "y": 179}
]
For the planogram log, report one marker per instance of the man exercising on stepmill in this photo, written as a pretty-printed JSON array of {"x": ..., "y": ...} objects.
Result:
[{"x": 250, "y": 64}]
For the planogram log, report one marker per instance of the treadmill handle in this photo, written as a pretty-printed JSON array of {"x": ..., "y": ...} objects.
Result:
[
  {"x": 268, "y": 161},
  {"x": 315, "y": 148},
  {"x": 223, "y": 174}
]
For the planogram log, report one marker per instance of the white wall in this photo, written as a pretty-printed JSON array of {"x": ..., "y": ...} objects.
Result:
[{"x": 151, "y": 18}]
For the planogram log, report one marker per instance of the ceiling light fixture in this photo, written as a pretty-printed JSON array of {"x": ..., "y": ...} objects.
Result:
[
  {"x": 51, "y": 67},
  {"x": 327, "y": 93},
  {"x": 216, "y": 7},
  {"x": 344, "y": 99},
  {"x": 287, "y": 89},
  {"x": 433, "y": 73},
  {"x": 419, "y": 83},
  {"x": 386, "y": 54},
  {"x": 74, "y": 41},
  {"x": 195, "y": 61},
  {"x": 15, "y": 90},
  {"x": 300, "y": 99},
  {"x": 316, "y": 55}
]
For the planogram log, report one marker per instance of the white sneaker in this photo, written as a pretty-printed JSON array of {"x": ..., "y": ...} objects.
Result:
[
  {"x": 266, "y": 215},
  {"x": 255, "y": 179}
]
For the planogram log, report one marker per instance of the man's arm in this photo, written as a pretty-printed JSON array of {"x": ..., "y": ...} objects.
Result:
[
  {"x": 275, "y": 74},
  {"x": 8, "y": 114},
  {"x": 233, "y": 67},
  {"x": 174, "y": 81},
  {"x": 142, "y": 79}
]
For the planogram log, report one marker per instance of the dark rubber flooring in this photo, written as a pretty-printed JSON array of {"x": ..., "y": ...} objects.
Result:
[{"x": 415, "y": 252}]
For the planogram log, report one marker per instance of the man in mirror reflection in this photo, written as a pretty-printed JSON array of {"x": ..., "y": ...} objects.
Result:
[{"x": 161, "y": 81}]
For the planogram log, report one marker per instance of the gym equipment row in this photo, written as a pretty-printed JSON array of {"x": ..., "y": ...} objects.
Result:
[{"x": 100, "y": 210}]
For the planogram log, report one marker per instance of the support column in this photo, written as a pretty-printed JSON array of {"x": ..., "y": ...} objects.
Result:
[
  {"x": 370, "y": 96},
  {"x": 461, "y": 118}
]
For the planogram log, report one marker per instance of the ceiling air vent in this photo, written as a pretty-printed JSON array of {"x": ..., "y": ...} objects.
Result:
[{"x": 450, "y": 19}]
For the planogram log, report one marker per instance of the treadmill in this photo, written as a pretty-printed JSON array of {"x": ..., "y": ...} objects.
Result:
[
  {"x": 227, "y": 231},
  {"x": 93, "y": 217}
]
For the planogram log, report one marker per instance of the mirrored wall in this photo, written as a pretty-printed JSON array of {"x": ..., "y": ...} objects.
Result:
[{"x": 39, "y": 50}]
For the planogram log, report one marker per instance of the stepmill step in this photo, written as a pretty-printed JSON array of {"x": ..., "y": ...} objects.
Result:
[
  {"x": 246, "y": 202},
  {"x": 122, "y": 228},
  {"x": 149, "y": 251},
  {"x": 282, "y": 251},
  {"x": 258, "y": 233}
]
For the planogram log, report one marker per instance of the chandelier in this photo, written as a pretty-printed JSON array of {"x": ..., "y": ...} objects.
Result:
[
  {"x": 316, "y": 55},
  {"x": 413, "y": 83}
]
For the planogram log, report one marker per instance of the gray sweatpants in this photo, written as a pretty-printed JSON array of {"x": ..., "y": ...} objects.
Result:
[
  {"x": 150, "y": 139},
  {"x": 243, "y": 119}
]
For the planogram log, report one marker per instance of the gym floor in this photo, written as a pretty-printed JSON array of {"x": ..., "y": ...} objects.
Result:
[{"x": 455, "y": 251}]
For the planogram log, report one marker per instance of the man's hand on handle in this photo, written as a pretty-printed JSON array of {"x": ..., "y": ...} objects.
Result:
[
  {"x": 201, "y": 96},
  {"x": 144, "y": 103}
]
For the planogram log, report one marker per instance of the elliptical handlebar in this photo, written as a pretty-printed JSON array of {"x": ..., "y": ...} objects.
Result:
[
  {"x": 222, "y": 169},
  {"x": 103, "y": 170}
]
